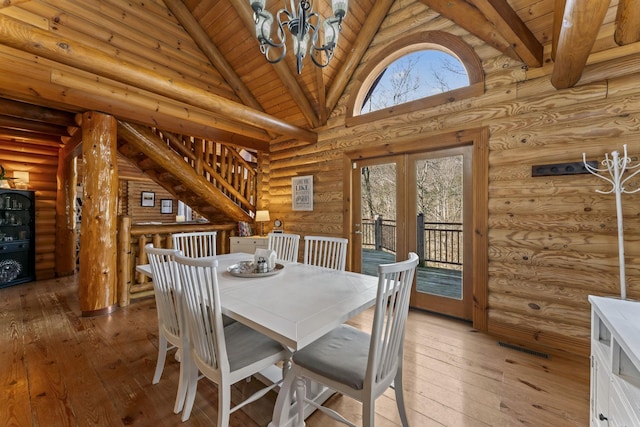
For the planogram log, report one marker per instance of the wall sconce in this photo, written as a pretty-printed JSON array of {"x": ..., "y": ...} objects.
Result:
[
  {"x": 21, "y": 179},
  {"x": 262, "y": 217}
]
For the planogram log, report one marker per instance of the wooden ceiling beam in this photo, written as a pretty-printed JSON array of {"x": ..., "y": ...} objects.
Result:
[
  {"x": 211, "y": 51},
  {"x": 287, "y": 77},
  {"x": 471, "y": 19},
  {"x": 36, "y": 113},
  {"x": 7, "y": 3},
  {"x": 100, "y": 94},
  {"x": 509, "y": 24},
  {"x": 27, "y": 38},
  {"x": 581, "y": 22},
  {"x": 119, "y": 100},
  {"x": 322, "y": 93},
  {"x": 26, "y": 136},
  {"x": 627, "y": 22},
  {"x": 357, "y": 51},
  {"x": 33, "y": 126},
  {"x": 558, "y": 15}
]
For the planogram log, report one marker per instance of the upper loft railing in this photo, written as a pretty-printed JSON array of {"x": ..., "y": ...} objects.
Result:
[
  {"x": 437, "y": 242},
  {"x": 222, "y": 165}
]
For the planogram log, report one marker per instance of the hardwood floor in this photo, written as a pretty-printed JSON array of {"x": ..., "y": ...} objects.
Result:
[{"x": 60, "y": 369}]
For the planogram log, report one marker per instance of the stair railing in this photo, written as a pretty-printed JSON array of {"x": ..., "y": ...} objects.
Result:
[
  {"x": 133, "y": 238},
  {"x": 220, "y": 164}
]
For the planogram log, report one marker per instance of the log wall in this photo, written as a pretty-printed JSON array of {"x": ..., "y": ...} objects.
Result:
[
  {"x": 552, "y": 240},
  {"x": 139, "y": 213}
]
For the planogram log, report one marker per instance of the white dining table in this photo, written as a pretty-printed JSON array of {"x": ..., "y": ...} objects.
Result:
[{"x": 295, "y": 307}]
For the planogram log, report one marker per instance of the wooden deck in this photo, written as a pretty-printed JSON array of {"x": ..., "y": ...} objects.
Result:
[
  {"x": 438, "y": 281},
  {"x": 61, "y": 369}
]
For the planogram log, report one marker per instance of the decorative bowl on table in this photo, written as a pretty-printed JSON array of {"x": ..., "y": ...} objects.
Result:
[{"x": 250, "y": 269}]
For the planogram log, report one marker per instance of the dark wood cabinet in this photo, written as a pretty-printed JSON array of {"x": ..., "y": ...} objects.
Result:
[{"x": 17, "y": 237}]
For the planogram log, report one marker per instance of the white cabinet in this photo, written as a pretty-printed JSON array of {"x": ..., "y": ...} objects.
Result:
[
  {"x": 615, "y": 362},
  {"x": 247, "y": 244}
]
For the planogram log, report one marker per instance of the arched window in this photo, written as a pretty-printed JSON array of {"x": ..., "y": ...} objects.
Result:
[
  {"x": 413, "y": 76},
  {"x": 418, "y": 71}
]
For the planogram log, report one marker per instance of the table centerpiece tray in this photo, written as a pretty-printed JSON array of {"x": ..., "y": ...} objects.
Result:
[{"x": 249, "y": 269}]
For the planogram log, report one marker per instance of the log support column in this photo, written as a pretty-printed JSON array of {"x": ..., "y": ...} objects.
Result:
[
  {"x": 97, "y": 287},
  {"x": 65, "y": 217}
]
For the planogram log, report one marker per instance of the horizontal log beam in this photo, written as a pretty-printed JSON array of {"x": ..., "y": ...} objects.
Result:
[
  {"x": 30, "y": 39},
  {"x": 26, "y": 136},
  {"x": 211, "y": 51},
  {"x": 122, "y": 100},
  {"x": 36, "y": 113},
  {"x": 32, "y": 126}
]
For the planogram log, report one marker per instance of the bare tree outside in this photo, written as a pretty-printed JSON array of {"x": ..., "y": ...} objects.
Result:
[
  {"x": 439, "y": 182},
  {"x": 439, "y": 189},
  {"x": 378, "y": 191},
  {"x": 414, "y": 76}
]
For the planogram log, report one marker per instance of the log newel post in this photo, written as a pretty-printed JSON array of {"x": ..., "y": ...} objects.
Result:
[
  {"x": 124, "y": 260},
  {"x": 97, "y": 289}
]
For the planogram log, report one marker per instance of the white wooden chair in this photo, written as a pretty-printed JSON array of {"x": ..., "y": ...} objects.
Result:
[
  {"x": 285, "y": 245},
  {"x": 329, "y": 252},
  {"x": 196, "y": 244},
  {"x": 358, "y": 364},
  {"x": 166, "y": 287},
  {"x": 225, "y": 355}
]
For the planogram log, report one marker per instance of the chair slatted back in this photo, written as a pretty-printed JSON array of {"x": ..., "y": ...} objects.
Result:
[
  {"x": 285, "y": 245},
  {"x": 392, "y": 307},
  {"x": 196, "y": 244},
  {"x": 166, "y": 286},
  {"x": 203, "y": 313},
  {"x": 329, "y": 252}
]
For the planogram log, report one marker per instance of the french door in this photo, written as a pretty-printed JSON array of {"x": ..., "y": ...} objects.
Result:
[{"x": 418, "y": 202}]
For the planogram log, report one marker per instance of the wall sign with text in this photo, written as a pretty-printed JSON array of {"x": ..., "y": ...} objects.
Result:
[{"x": 302, "y": 193}]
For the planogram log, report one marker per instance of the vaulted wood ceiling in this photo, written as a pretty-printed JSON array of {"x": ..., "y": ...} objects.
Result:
[{"x": 194, "y": 66}]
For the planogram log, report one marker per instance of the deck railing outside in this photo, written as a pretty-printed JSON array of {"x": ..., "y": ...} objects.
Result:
[{"x": 437, "y": 242}]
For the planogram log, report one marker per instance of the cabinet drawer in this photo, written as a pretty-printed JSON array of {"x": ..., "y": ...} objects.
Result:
[
  {"x": 247, "y": 244},
  {"x": 13, "y": 246},
  {"x": 250, "y": 242}
]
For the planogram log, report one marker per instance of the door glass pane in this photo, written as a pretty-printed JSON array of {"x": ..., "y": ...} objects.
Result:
[
  {"x": 378, "y": 208},
  {"x": 439, "y": 226}
]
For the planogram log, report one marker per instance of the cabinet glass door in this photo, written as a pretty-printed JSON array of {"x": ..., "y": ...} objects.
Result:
[{"x": 16, "y": 237}]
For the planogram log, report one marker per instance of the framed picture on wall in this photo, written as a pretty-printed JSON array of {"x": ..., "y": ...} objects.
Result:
[
  {"x": 302, "y": 193},
  {"x": 148, "y": 199},
  {"x": 166, "y": 206}
]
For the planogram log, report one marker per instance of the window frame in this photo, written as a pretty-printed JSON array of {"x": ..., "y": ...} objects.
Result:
[{"x": 434, "y": 40}]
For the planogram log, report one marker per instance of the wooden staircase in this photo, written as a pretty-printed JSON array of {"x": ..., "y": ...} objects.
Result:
[{"x": 212, "y": 178}]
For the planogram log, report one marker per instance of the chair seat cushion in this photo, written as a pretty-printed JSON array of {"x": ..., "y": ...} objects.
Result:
[
  {"x": 246, "y": 346},
  {"x": 341, "y": 355}
]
